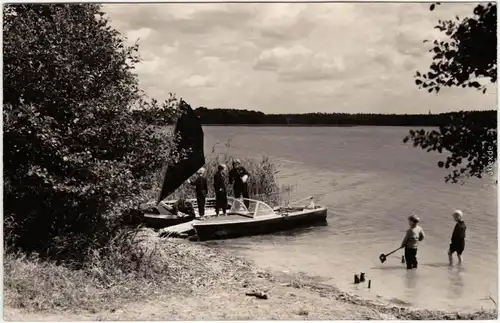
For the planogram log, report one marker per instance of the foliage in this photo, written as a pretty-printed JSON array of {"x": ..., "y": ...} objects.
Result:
[
  {"x": 74, "y": 153},
  {"x": 245, "y": 117},
  {"x": 468, "y": 56},
  {"x": 471, "y": 142}
]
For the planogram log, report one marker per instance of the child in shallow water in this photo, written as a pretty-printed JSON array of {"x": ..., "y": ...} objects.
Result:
[
  {"x": 457, "y": 238},
  {"x": 410, "y": 242}
]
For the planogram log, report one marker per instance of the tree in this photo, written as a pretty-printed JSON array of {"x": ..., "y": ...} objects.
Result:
[
  {"x": 467, "y": 59},
  {"x": 75, "y": 155}
]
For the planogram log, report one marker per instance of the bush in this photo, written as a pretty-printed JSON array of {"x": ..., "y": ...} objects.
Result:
[{"x": 75, "y": 155}]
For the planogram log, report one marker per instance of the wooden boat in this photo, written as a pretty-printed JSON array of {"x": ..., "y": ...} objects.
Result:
[{"x": 251, "y": 217}]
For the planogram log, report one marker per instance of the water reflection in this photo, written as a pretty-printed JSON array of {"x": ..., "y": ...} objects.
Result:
[
  {"x": 410, "y": 279},
  {"x": 456, "y": 282},
  {"x": 410, "y": 284}
]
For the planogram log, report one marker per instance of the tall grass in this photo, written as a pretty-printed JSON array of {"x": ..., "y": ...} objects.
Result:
[
  {"x": 137, "y": 265},
  {"x": 262, "y": 183}
]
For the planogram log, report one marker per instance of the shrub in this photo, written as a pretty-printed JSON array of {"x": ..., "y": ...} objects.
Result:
[{"x": 75, "y": 154}]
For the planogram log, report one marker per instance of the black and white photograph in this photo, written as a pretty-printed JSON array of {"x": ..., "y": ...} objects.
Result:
[{"x": 249, "y": 161}]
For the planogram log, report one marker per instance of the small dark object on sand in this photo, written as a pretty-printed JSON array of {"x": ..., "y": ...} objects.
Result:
[
  {"x": 258, "y": 294},
  {"x": 303, "y": 313},
  {"x": 356, "y": 279},
  {"x": 362, "y": 277},
  {"x": 370, "y": 283},
  {"x": 403, "y": 259}
]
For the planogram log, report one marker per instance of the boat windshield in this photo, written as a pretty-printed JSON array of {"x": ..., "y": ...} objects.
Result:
[{"x": 250, "y": 207}]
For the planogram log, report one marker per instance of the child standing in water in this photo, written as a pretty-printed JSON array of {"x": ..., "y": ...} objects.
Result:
[
  {"x": 457, "y": 238},
  {"x": 410, "y": 242}
]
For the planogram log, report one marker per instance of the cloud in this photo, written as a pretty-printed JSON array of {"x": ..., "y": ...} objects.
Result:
[
  {"x": 141, "y": 33},
  {"x": 291, "y": 57},
  {"x": 298, "y": 63},
  {"x": 198, "y": 81}
]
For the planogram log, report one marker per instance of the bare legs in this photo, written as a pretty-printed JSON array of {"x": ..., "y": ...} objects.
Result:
[{"x": 450, "y": 258}]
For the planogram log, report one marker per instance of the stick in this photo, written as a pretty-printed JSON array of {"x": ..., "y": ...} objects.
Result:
[{"x": 390, "y": 253}]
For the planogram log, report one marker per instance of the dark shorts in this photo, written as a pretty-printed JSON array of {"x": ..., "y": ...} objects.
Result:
[
  {"x": 411, "y": 258},
  {"x": 457, "y": 247}
]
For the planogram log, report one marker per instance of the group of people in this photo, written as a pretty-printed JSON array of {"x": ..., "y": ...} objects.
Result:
[
  {"x": 238, "y": 177},
  {"x": 415, "y": 234}
]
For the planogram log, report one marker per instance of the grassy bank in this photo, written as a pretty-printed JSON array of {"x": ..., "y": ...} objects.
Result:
[{"x": 148, "y": 267}]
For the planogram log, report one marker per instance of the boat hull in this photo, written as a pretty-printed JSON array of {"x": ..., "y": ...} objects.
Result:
[{"x": 224, "y": 229}]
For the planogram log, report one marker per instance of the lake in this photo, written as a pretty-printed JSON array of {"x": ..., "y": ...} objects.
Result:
[{"x": 370, "y": 181}]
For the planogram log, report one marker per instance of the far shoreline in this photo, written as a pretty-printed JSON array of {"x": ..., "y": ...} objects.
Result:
[{"x": 311, "y": 125}]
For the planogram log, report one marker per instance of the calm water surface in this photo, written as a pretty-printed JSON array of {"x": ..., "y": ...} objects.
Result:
[{"x": 371, "y": 182}]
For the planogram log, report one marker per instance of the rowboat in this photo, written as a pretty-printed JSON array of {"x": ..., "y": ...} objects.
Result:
[{"x": 250, "y": 217}]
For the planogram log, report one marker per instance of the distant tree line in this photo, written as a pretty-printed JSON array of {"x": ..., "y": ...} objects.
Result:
[{"x": 246, "y": 117}]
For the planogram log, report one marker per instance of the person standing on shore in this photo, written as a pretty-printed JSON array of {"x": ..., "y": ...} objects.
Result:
[
  {"x": 220, "y": 190},
  {"x": 410, "y": 242},
  {"x": 201, "y": 189},
  {"x": 457, "y": 238},
  {"x": 238, "y": 176}
]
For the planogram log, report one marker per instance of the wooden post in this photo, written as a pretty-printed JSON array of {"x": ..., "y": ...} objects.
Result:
[
  {"x": 370, "y": 283},
  {"x": 356, "y": 279},
  {"x": 362, "y": 277}
]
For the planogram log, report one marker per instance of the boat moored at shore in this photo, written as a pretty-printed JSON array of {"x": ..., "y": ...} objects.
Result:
[{"x": 251, "y": 217}]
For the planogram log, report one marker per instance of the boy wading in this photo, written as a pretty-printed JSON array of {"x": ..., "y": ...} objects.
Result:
[
  {"x": 457, "y": 238},
  {"x": 410, "y": 242}
]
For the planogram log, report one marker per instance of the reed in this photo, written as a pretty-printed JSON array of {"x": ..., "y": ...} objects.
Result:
[{"x": 262, "y": 183}]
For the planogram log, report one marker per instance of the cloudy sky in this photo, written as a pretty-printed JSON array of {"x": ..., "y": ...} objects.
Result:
[{"x": 292, "y": 58}]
